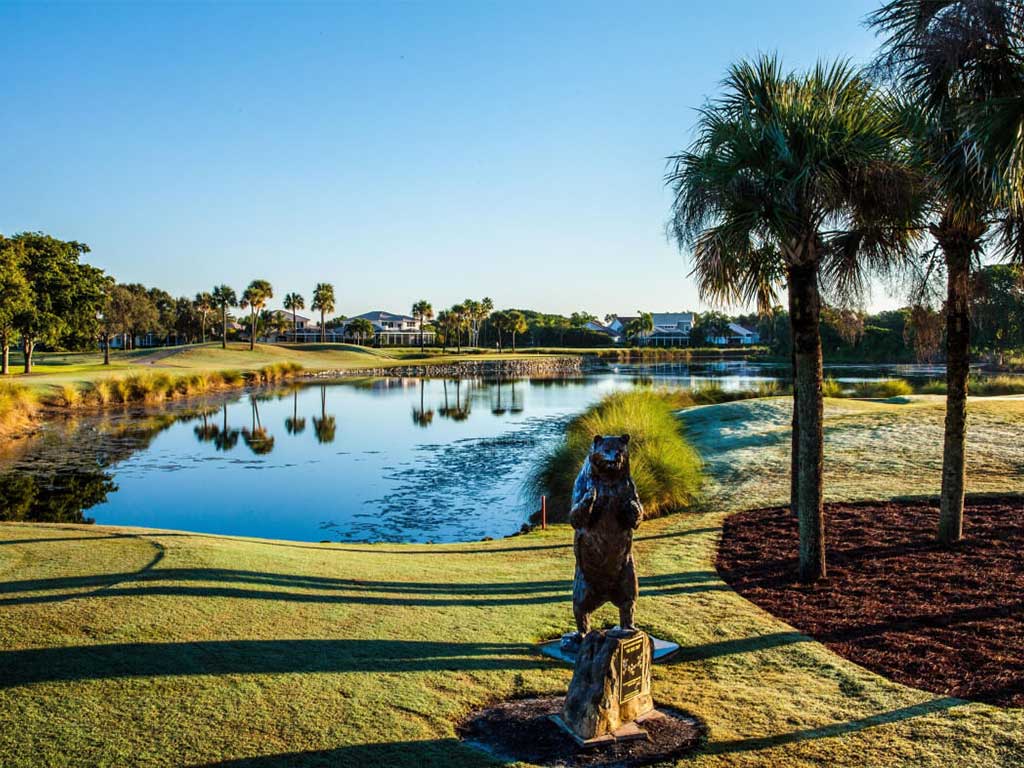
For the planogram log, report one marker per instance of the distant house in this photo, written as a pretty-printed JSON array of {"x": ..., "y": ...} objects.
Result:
[
  {"x": 391, "y": 330},
  {"x": 671, "y": 329},
  {"x": 301, "y": 328},
  {"x": 598, "y": 327},
  {"x": 734, "y": 336}
]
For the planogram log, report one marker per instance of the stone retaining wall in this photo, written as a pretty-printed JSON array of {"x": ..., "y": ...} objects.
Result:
[{"x": 544, "y": 366}]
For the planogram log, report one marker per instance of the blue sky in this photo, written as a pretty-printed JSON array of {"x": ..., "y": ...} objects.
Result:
[{"x": 399, "y": 150}]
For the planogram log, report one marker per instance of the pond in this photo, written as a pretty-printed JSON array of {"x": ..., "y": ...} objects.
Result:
[{"x": 391, "y": 459}]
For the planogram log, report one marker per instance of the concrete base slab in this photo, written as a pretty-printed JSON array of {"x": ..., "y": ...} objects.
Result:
[{"x": 663, "y": 650}]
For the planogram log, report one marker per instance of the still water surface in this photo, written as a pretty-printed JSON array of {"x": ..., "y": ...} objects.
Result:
[{"x": 384, "y": 460}]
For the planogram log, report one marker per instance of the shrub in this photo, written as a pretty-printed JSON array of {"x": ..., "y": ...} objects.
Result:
[
  {"x": 831, "y": 388},
  {"x": 667, "y": 471},
  {"x": 100, "y": 392},
  {"x": 882, "y": 389}
]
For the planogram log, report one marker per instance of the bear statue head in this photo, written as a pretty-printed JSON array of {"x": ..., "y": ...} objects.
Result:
[{"x": 609, "y": 455}]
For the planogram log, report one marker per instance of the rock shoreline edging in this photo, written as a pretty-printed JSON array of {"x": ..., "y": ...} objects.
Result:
[{"x": 553, "y": 366}]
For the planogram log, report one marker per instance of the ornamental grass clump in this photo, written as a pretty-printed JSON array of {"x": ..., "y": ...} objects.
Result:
[
  {"x": 882, "y": 389},
  {"x": 667, "y": 471}
]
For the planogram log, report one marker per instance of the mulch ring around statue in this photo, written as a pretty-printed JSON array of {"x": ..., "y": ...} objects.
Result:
[
  {"x": 949, "y": 621},
  {"x": 522, "y": 729}
]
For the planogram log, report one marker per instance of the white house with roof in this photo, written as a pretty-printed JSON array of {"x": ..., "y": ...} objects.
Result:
[
  {"x": 671, "y": 329},
  {"x": 391, "y": 330},
  {"x": 735, "y": 336}
]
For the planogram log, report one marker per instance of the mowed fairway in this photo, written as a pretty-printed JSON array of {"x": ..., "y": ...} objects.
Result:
[{"x": 132, "y": 647}]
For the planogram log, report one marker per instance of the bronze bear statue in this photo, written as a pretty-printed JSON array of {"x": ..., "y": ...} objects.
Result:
[{"x": 604, "y": 513}]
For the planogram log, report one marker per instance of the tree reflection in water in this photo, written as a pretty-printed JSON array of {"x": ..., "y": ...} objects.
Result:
[
  {"x": 422, "y": 416},
  {"x": 294, "y": 424},
  {"x": 56, "y": 497},
  {"x": 325, "y": 426},
  {"x": 257, "y": 438},
  {"x": 227, "y": 438}
]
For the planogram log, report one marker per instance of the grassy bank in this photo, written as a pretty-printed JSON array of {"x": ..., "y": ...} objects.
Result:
[
  {"x": 138, "y": 647},
  {"x": 664, "y": 466}
]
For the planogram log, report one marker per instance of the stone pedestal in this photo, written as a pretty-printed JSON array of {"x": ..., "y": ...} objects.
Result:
[{"x": 611, "y": 683}]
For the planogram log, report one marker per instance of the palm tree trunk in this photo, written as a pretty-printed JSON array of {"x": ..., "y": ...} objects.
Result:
[
  {"x": 5, "y": 362},
  {"x": 323, "y": 329},
  {"x": 224, "y": 330},
  {"x": 106, "y": 351},
  {"x": 794, "y": 451},
  {"x": 252, "y": 329},
  {"x": 422, "y": 344},
  {"x": 958, "y": 359},
  {"x": 806, "y": 304},
  {"x": 513, "y": 341}
]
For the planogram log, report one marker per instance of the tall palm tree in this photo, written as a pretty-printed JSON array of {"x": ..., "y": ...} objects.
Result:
[
  {"x": 958, "y": 63},
  {"x": 457, "y": 318},
  {"x": 500, "y": 321},
  {"x": 225, "y": 298},
  {"x": 486, "y": 308},
  {"x": 323, "y": 301},
  {"x": 516, "y": 324},
  {"x": 294, "y": 302},
  {"x": 204, "y": 304},
  {"x": 422, "y": 311},
  {"x": 796, "y": 178},
  {"x": 444, "y": 326},
  {"x": 254, "y": 298},
  {"x": 362, "y": 329}
]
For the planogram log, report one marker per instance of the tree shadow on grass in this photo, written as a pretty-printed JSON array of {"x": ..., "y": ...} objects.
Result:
[
  {"x": 834, "y": 729},
  {"x": 438, "y": 753},
  {"x": 259, "y": 585},
  {"x": 250, "y": 657}
]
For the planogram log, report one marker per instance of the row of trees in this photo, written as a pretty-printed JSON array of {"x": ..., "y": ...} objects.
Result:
[{"x": 817, "y": 180}]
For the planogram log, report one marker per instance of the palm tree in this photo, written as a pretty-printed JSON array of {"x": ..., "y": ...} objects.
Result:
[
  {"x": 516, "y": 324},
  {"x": 255, "y": 298},
  {"x": 294, "y": 302},
  {"x": 958, "y": 64},
  {"x": 444, "y": 325},
  {"x": 204, "y": 304},
  {"x": 458, "y": 317},
  {"x": 361, "y": 328},
  {"x": 500, "y": 321},
  {"x": 225, "y": 298},
  {"x": 422, "y": 311},
  {"x": 796, "y": 178},
  {"x": 323, "y": 300},
  {"x": 486, "y": 308}
]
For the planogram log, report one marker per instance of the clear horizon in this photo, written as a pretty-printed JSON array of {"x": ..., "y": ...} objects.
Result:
[{"x": 400, "y": 151}]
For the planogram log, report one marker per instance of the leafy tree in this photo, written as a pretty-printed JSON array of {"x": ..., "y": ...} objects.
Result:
[
  {"x": 295, "y": 302},
  {"x": 117, "y": 315},
  {"x": 323, "y": 301},
  {"x": 579, "y": 320},
  {"x": 422, "y": 311},
  {"x": 62, "y": 292},
  {"x": 204, "y": 306},
  {"x": 956, "y": 60},
  {"x": 14, "y": 295},
  {"x": 796, "y": 178},
  {"x": 255, "y": 298},
  {"x": 225, "y": 298}
]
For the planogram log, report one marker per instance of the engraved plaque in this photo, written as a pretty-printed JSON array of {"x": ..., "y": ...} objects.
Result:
[{"x": 632, "y": 664}]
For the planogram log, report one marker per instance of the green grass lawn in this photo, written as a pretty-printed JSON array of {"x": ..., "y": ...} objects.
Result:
[{"x": 137, "y": 647}]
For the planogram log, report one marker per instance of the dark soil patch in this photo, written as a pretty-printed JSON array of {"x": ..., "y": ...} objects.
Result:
[
  {"x": 522, "y": 730},
  {"x": 947, "y": 621}
]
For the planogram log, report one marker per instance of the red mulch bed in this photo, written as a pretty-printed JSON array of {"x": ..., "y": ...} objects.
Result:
[{"x": 947, "y": 621}]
